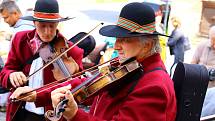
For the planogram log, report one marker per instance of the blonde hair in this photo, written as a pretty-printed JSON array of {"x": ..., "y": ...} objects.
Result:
[{"x": 176, "y": 22}]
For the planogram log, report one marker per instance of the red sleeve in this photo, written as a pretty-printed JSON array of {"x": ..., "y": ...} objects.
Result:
[
  {"x": 146, "y": 104},
  {"x": 77, "y": 54},
  {"x": 46, "y": 91},
  {"x": 18, "y": 55},
  {"x": 12, "y": 65}
]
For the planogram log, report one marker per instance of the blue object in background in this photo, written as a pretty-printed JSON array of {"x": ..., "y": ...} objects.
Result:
[{"x": 111, "y": 41}]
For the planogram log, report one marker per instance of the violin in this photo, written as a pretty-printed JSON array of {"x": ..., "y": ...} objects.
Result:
[
  {"x": 64, "y": 66},
  {"x": 84, "y": 91},
  {"x": 104, "y": 69},
  {"x": 61, "y": 54},
  {"x": 52, "y": 59}
]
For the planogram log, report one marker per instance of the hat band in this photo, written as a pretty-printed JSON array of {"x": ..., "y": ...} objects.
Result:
[
  {"x": 134, "y": 27},
  {"x": 50, "y": 16}
]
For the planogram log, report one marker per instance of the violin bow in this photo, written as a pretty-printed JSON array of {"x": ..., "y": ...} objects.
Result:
[
  {"x": 58, "y": 56},
  {"x": 63, "y": 80}
]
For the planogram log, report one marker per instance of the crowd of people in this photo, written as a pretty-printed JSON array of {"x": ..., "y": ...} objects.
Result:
[{"x": 146, "y": 92}]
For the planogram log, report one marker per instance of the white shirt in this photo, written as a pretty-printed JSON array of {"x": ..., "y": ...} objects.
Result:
[{"x": 35, "y": 81}]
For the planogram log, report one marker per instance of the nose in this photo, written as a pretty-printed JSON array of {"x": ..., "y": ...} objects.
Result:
[
  {"x": 47, "y": 30},
  {"x": 117, "y": 44}
]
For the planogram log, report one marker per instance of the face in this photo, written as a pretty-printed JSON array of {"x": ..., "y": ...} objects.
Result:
[
  {"x": 175, "y": 22},
  {"x": 10, "y": 17},
  {"x": 46, "y": 30},
  {"x": 129, "y": 47}
]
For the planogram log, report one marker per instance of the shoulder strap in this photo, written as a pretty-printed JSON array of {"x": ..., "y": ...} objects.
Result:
[
  {"x": 137, "y": 80},
  {"x": 134, "y": 79},
  {"x": 157, "y": 68}
]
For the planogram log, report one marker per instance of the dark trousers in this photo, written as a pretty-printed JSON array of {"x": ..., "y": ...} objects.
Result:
[{"x": 24, "y": 115}]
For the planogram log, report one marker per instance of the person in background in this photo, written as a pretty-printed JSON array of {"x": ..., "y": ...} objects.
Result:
[
  {"x": 4, "y": 49},
  {"x": 11, "y": 14},
  {"x": 4, "y": 46},
  {"x": 30, "y": 50},
  {"x": 146, "y": 95},
  {"x": 205, "y": 52},
  {"x": 208, "y": 105},
  {"x": 205, "y": 55},
  {"x": 176, "y": 42}
]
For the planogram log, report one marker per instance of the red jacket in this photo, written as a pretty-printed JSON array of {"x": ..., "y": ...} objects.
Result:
[
  {"x": 151, "y": 99},
  {"x": 19, "y": 54}
]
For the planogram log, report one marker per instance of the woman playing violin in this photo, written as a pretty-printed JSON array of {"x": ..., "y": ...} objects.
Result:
[
  {"x": 147, "y": 95},
  {"x": 22, "y": 61}
]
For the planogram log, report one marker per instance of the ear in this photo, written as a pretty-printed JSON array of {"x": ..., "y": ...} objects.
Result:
[
  {"x": 17, "y": 14},
  {"x": 147, "y": 46}
]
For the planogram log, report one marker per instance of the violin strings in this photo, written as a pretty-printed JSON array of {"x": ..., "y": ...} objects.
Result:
[
  {"x": 47, "y": 64},
  {"x": 113, "y": 61}
]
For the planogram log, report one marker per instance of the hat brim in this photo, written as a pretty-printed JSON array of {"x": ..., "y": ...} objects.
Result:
[
  {"x": 116, "y": 31},
  {"x": 88, "y": 44},
  {"x": 31, "y": 18}
]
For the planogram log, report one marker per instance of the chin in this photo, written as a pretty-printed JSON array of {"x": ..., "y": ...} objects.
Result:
[
  {"x": 121, "y": 57},
  {"x": 47, "y": 40}
]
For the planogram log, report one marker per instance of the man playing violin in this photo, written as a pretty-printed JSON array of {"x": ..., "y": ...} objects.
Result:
[
  {"x": 147, "y": 95},
  {"x": 26, "y": 56}
]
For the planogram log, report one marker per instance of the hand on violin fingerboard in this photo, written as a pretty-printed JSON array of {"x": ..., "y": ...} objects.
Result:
[
  {"x": 64, "y": 93},
  {"x": 17, "y": 79}
]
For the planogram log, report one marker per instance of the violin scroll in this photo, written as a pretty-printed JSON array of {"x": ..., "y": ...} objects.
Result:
[
  {"x": 94, "y": 85},
  {"x": 56, "y": 114}
]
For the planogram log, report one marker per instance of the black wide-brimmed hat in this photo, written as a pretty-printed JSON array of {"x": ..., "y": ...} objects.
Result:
[
  {"x": 88, "y": 44},
  {"x": 136, "y": 19},
  {"x": 46, "y": 11}
]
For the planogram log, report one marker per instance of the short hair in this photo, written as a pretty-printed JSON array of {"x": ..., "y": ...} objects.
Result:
[
  {"x": 156, "y": 43},
  {"x": 10, "y": 6}
]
